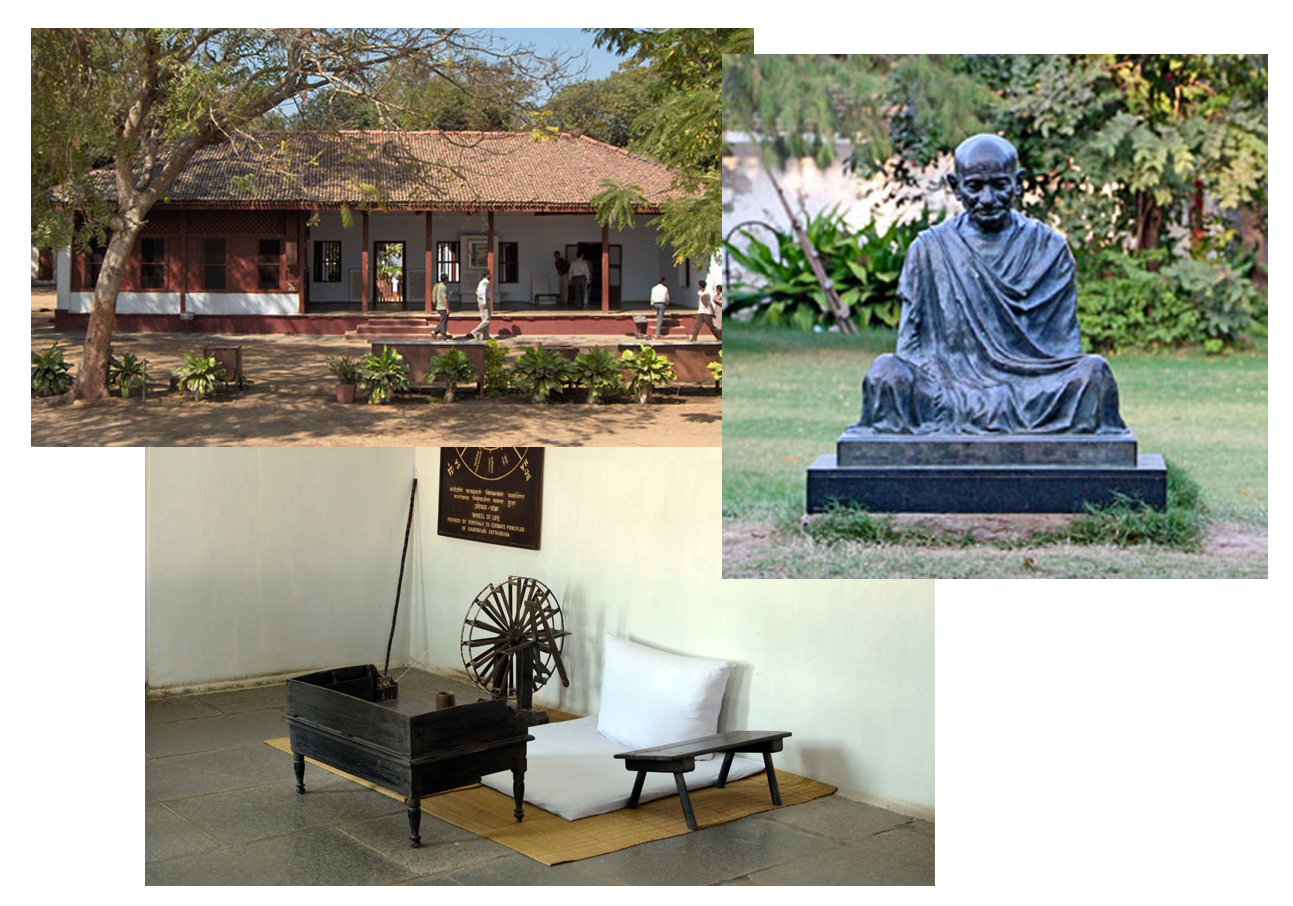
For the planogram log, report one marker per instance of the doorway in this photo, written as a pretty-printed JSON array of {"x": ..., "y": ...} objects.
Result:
[
  {"x": 390, "y": 287},
  {"x": 593, "y": 252}
]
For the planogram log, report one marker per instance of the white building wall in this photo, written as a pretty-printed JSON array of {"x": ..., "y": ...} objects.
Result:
[
  {"x": 130, "y": 303},
  {"x": 63, "y": 278},
  {"x": 262, "y": 563},
  {"x": 237, "y": 303}
]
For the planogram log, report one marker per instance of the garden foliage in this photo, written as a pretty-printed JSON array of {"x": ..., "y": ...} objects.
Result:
[
  {"x": 863, "y": 265},
  {"x": 385, "y": 373},
  {"x": 49, "y": 373}
]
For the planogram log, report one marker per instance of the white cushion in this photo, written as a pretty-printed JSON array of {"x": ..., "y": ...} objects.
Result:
[
  {"x": 571, "y": 770},
  {"x": 653, "y": 698}
]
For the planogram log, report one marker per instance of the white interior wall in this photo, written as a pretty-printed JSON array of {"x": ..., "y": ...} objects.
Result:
[
  {"x": 847, "y": 666},
  {"x": 264, "y": 562}
]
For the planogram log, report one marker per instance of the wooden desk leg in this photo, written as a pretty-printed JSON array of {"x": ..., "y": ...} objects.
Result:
[
  {"x": 637, "y": 789},
  {"x": 298, "y": 765},
  {"x": 687, "y": 813},
  {"x": 518, "y": 793},
  {"x": 415, "y": 822},
  {"x": 727, "y": 765},
  {"x": 772, "y": 778}
]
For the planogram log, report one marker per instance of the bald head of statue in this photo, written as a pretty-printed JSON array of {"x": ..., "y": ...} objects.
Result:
[{"x": 986, "y": 180}]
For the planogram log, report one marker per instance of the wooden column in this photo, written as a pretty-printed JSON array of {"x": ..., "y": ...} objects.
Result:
[
  {"x": 363, "y": 292},
  {"x": 184, "y": 259},
  {"x": 427, "y": 267},
  {"x": 606, "y": 269},
  {"x": 300, "y": 262},
  {"x": 493, "y": 287}
]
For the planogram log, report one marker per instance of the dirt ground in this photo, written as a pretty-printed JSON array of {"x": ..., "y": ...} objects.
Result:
[{"x": 292, "y": 402}]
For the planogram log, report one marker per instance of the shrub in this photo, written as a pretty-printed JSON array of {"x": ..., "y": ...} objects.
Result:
[
  {"x": 126, "y": 372},
  {"x": 384, "y": 373},
  {"x": 863, "y": 266},
  {"x": 49, "y": 373},
  {"x": 649, "y": 370},
  {"x": 455, "y": 367},
  {"x": 539, "y": 371},
  {"x": 1123, "y": 303},
  {"x": 199, "y": 375},
  {"x": 716, "y": 369},
  {"x": 497, "y": 381},
  {"x": 598, "y": 370},
  {"x": 344, "y": 369}
]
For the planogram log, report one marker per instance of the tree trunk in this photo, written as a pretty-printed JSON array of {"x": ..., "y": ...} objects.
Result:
[
  {"x": 91, "y": 382},
  {"x": 1149, "y": 225}
]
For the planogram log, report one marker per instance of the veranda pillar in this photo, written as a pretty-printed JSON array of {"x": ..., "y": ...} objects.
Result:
[{"x": 606, "y": 269}]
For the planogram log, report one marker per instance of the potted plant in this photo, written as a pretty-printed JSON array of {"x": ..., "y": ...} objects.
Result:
[
  {"x": 384, "y": 373},
  {"x": 539, "y": 371},
  {"x": 198, "y": 375},
  {"x": 716, "y": 369},
  {"x": 597, "y": 370},
  {"x": 455, "y": 367},
  {"x": 649, "y": 370},
  {"x": 126, "y": 372},
  {"x": 346, "y": 371},
  {"x": 49, "y": 373}
]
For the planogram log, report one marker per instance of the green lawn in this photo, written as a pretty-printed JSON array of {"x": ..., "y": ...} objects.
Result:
[{"x": 787, "y": 395}]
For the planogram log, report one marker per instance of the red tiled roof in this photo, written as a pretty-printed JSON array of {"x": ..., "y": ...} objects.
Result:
[{"x": 470, "y": 170}]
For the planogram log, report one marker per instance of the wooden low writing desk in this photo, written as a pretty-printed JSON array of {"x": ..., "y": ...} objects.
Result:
[
  {"x": 680, "y": 757},
  {"x": 406, "y": 746}
]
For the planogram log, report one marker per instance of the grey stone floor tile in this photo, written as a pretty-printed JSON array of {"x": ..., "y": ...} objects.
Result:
[
  {"x": 179, "y": 776},
  {"x": 167, "y": 836},
  {"x": 322, "y": 856},
  {"x": 276, "y": 808},
  {"x": 439, "y": 881},
  {"x": 836, "y": 818},
  {"x": 522, "y": 871},
  {"x": 896, "y": 857},
  {"x": 707, "y": 856},
  {"x": 444, "y": 848},
  {"x": 238, "y": 701},
  {"x": 186, "y": 707},
  {"x": 204, "y": 734}
]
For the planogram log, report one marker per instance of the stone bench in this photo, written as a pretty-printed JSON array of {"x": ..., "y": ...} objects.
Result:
[{"x": 680, "y": 757}]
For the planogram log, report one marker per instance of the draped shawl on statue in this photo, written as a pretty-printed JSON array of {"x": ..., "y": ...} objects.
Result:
[{"x": 988, "y": 341}]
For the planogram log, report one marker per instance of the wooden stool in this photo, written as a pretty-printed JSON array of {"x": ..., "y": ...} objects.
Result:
[{"x": 679, "y": 758}]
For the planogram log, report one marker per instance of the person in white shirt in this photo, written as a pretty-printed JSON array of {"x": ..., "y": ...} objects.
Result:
[
  {"x": 481, "y": 330},
  {"x": 705, "y": 315},
  {"x": 579, "y": 274},
  {"x": 659, "y": 298}
]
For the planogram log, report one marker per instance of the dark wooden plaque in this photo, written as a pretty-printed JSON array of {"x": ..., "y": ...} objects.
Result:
[{"x": 491, "y": 494}]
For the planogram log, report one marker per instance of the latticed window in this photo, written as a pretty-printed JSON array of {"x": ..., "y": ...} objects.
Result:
[
  {"x": 327, "y": 261},
  {"x": 269, "y": 263},
  {"x": 447, "y": 260},
  {"x": 152, "y": 263},
  {"x": 508, "y": 267},
  {"x": 214, "y": 264}
]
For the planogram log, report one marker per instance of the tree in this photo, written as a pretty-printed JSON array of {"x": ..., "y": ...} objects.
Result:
[
  {"x": 682, "y": 128},
  {"x": 144, "y": 101},
  {"x": 604, "y": 109}
]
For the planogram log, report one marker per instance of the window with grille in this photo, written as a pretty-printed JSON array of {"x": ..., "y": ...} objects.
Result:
[
  {"x": 152, "y": 263},
  {"x": 446, "y": 260},
  {"x": 269, "y": 264},
  {"x": 327, "y": 261},
  {"x": 508, "y": 268},
  {"x": 214, "y": 264}
]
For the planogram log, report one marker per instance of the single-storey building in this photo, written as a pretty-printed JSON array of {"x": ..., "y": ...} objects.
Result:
[{"x": 315, "y": 232}]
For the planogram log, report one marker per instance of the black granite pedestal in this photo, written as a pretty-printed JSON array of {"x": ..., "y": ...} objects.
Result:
[{"x": 984, "y": 473}]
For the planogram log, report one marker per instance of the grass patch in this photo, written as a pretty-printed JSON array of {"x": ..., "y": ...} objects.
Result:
[{"x": 1179, "y": 525}]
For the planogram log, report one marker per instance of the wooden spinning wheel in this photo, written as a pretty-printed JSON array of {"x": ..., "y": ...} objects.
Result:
[{"x": 512, "y": 639}]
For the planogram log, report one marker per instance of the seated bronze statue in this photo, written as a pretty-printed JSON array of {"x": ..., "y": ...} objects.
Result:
[{"x": 988, "y": 341}]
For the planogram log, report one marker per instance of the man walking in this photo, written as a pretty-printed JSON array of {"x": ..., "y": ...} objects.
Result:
[
  {"x": 440, "y": 298},
  {"x": 481, "y": 330},
  {"x": 579, "y": 273},
  {"x": 705, "y": 314},
  {"x": 659, "y": 298}
]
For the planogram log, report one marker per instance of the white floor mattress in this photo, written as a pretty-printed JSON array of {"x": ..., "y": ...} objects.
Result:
[{"x": 572, "y": 771}]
